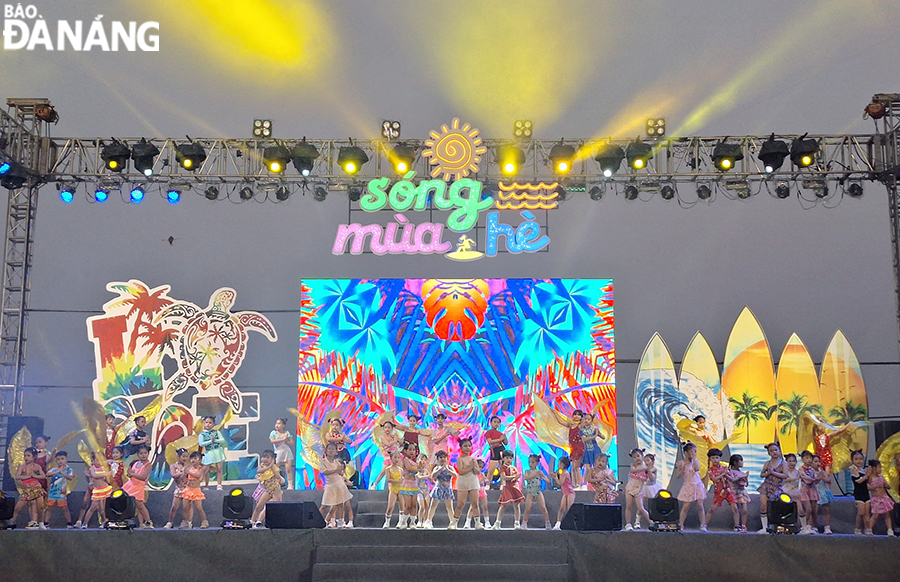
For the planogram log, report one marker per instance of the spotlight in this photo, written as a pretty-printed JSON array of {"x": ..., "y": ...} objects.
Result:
[
  {"x": 101, "y": 195},
  {"x": 772, "y": 153},
  {"x": 304, "y": 156},
  {"x": 782, "y": 190},
  {"x": 803, "y": 151},
  {"x": 351, "y": 158},
  {"x": 523, "y": 128},
  {"x": 875, "y": 110},
  {"x": 561, "y": 193},
  {"x": 402, "y": 158},
  {"x": 190, "y": 155},
  {"x": 667, "y": 192},
  {"x": 282, "y": 193},
  {"x": 562, "y": 156},
  {"x": 137, "y": 194},
  {"x": 638, "y": 154},
  {"x": 596, "y": 193},
  {"x": 143, "y": 155},
  {"x": 7, "y": 508},
  {"x": 740, "y": 187},
  {"x": 67, "y": 193},
  {"x": 818, "y": 187},
  {"x": 656, "y": 127},
  {"x": 390, "y": 129},
  {"x": 320, "y": 194},
  {"x": 782, "y": 515},
  {"x": 631, "y": 192},
  {"x": 855, "y": 190},
  {"x": 4, "y": 167},
  {"x": 173, "y": 195},
  {"x": 276, "y": 158},
  {"x": 115, "y": 156},
  {"x": 211, "y": 193},
  {"x": 120, "y": 508},
  {"x": 703, "y": 192},
  {"x": 510, "y": 159},
  {"x": 664, "y": 512},
  {"x": 246, "y": 193},
  {"x": 262, "y": 128},
  {"x": 725, "y": 155},
  {"x": 237, "y": 508},
  {"x": 14, "y": 177},
  {"x": 610, "y": 158},
  {"x": 354, "y": 193}
]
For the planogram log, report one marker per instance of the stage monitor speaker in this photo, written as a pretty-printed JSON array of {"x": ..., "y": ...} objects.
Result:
[
  {"x": 293, "y": 515},
  {"x": 14, "y": 424},
  {"x": 593, "y": 517},
  {"x": 884, "y": 429}
]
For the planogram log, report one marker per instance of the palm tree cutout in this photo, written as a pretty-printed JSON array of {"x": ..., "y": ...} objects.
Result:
[
  {"x": 750, "y": 410},
  {"x": 791, "y": 410},
  {"x": 847, "y": 413},
  {"x": 143, "y": 304}
]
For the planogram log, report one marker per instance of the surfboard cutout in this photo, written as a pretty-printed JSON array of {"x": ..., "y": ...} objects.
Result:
[
  {"x": 841, "y": 386},
  {"x": 797, "y": 389},
  {"x": 656, "y": 400}
]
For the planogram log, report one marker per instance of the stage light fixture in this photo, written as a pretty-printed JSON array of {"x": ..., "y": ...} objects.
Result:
[
  {"x": 101, "y": 195},
  {"x": 610, "y": 158},
  {"x": 211, "y": 193},
  {"x": 703, "y": 192},
  {"x": 803, "y": 151},
  {"x": 4, "y": 167},
  {"x": 67, "y": 193},
  {"x": 740, "y": 187},
  {"x": 262, "y": 128},
  {"x": 245, "y": 193},
  {"x": 120, "y": 508},
  {"x": 14, "y": 177},
  {"x": 664, "y": 512},
  {"x": 667, "y": 192},
  {"x": 772, "y": 154},
  {"x": 817, "y": 187},
  {"x": 115, "y": 156},
  {"x": 523, "y": 129},
  {"x": 390, "y": 129},
  {"x": 855, "y": 190},
  {"x": 190, "y": 156},
  {"x": 782, "y": 190},
  {"x": 304, "y": 157},
  {"x": 237, "y": 509},
  {"x": 596, "y": 193},
  {"x": 402, "y": 158},
  {"x": 355, "y": 194},
  {"x": 276, "y": 158},
  {"x": 562, "y": 157},
  {"x": 656, "y": 127},
  {"x": 137, "y": 195},
  {"x": 143, "y": 156},
  {"x": 7, "y": 509},
  {"x": 725, "y": 155},
  {"x": 639, "y": 154},
  {"x": 282, "y": 193},
  {"x": 510, "y": 158},
  {"x": 782, "y": 513},
  {"x": 631, "y": 192},
  {"x": 351, "y": 159},
  {"x": 173, "y": 195},
  {"x": 320, "y": 194}
]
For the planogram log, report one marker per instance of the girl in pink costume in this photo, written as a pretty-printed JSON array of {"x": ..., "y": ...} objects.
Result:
[
  {"x": 136, "y": 486},
  {"x": 634, "y": 498},
  {"x": 880, "y": 502},
  {"x": 564, "y": 480},
  {"x": 692, "y": 490}
]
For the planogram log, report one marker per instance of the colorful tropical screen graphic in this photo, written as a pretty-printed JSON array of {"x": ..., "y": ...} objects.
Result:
[{"x": 470, "y": 349}]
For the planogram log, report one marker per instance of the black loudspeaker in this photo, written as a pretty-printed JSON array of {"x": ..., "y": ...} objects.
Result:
[
  {"x": 593, "y": 517},
  {"x": 293, "y": 515},
  {"x": 884, "y": 429},
  {"x": 35, "y": 426}
]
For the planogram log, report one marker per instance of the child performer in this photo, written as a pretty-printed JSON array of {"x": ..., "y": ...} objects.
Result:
[
  {"x": 467, "y": 483},
  {"x": 117, "y": 466},
  {"x": 284, "y": 456},
  {"x": 28, "y": 475},
  {"x": 576, "y": 446},
  {"x": 136, "y": 438},
  {"x": 270, "y": 481},
  {"x": 860, "y": 491},
  {"x": 422, "y": 475},
  {"x": 823, "y": 488},
  {"x": 533, "y": 478},
  {"x": 589, "y": 436},
  {"x": 442, "y": 475},
  {"x": 809, "y": 495},
  {"x": 409, "y": 487},
  {"x": 336, "y": 493},
  {"x": 336, "y": 435},
  {"x": 213, "y": 443},
  {"x": 101, "y": 491},
  {"x": 394, "y": 475},
  {"x": 564, "y": 480},
  {"x": 390, "y": 440},
  {"x": 411, "y": 432},
  {"x": 440, "y": 434},
  {"x": 59, "y": 477},
  {"x": 880, "y": 503},
  {"x": 737, "y": 484},
  {"x": 509, "y": 493},
  {"x": 178, "y": 471},
  {"x": 634, "y": 501},
  {"x": 791, "y": 485},
  {"x": 136, "y": 486},
  {"x": 482, "y": 497},
  {"x": 603, "y": 480},
  {"x": 692, "y": 490},
  {"x": 722, "y": 492},
  {"x": 193, "y": 497},
  {"x": 497, "y": 442},
  {"x": 42, "y": 459},
  {"x": 651, "y": 487},
  {"x": 111, "y": 428},
  {"x": 772, "y": 474}
]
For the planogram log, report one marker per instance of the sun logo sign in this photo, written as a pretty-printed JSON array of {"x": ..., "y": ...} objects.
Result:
[{"x": 454, "y": 152}]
